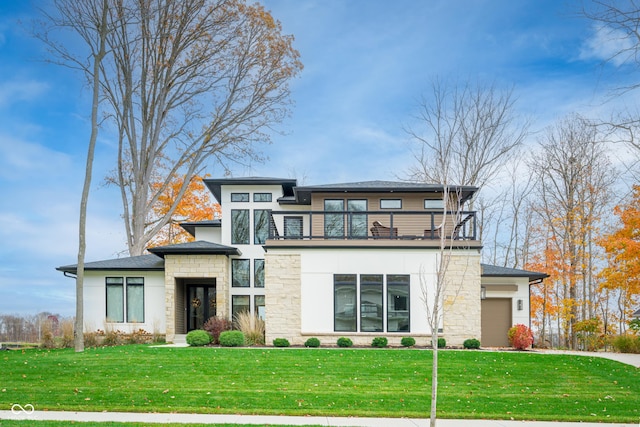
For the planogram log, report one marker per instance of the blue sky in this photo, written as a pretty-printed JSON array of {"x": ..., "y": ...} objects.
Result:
[{"x": 367, "y": 63}]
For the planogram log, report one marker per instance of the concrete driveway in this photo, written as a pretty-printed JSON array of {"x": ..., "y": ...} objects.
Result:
[{"x": 626, "y": 358}]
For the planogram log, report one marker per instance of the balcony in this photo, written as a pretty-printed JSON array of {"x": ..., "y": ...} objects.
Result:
[{"x": 373, "y": 228}]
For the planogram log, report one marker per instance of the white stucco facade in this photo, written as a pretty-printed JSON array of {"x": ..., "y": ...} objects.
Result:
[{"x": 95, "y": 302}]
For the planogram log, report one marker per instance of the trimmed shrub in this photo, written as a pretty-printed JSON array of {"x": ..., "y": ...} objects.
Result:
[
  {"x": 442, "y": 343},
  {"x": 344, "y": 342},
  {"x": 471, "y": 344},
  {"x": 198, "y": 338},
  {"x": 231, "y": 339},
  {"x": 312, "y": 342},
  {"x": 520, "y": 337},
  {"x": 281, "y": 342},
  {"x": 379, "y": 342},
  {"x": 215, "y": 325},
  {"x": 408, "y": 341}
]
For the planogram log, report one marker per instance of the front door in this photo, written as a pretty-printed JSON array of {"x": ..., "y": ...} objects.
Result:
[{"x": 201, "y": 305}]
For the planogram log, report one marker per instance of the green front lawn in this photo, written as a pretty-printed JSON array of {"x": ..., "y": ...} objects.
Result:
[{"x": 331, "y": 382}]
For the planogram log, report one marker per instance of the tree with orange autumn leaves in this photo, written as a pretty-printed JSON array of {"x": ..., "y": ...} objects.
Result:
[
  {"x": 195, "y": 205},
  {"x": 622, "y": 247}
]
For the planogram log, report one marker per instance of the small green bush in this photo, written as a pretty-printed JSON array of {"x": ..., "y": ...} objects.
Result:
[
  {"x": 344, "y": 342},
  {"x": 407, "y": 342},
  {"x": 198, "y": 338},
  {"x": 312, "y": 342},
  {"x": 231, "y": 339},
  {"x": 442, "y": 343},
  {"x": 379, "y": 342},
  {"x": 471, "y": 344},
  {"x": 281, "y": 342}
]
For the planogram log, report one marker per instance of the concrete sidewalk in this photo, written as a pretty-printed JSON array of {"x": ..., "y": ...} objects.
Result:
[{"x": 263, "y": 420}]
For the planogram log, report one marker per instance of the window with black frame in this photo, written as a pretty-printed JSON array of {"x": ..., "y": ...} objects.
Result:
[
  {"x": 344, "y": 302},
  {"x": 240, "y": 273},
  {"x": 398, "y": 299},
  {"x": 371, "y": 308},
  {"x": 293, "y": 227},
  {"x": 240, "y": 226},
  {"x": 135, "y": 299},
  {"x": 260, "y": 226},
  {"x": 115, "y": 299}
]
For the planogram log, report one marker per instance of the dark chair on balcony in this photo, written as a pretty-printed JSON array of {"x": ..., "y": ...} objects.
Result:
[
  {"x": 433, "y": 234},
  {"x": 379, "y": 230}
]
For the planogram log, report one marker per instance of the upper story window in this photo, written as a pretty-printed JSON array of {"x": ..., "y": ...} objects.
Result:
[
  {"x": 240, "y": 273},
  {"x": 240, "y": 226},
  {"x": 261, "y": 226},
  {"x": 262, "y": 197},
  {"x": 433, "y": 204},
  {"x": 239, "y": 197},
  {"x": 390, "y": 204}
]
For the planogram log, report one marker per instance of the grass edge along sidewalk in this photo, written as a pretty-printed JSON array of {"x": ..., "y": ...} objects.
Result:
[{"x": 322, "y": 382}]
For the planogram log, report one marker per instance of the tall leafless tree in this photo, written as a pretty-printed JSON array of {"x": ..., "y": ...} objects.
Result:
[
  {"x": 185, "y": 82},
  {"x": 465, "y": 134},
  {"x": 189, "y": 82},
  {"x": 574, "y": 179},
  {"x": 87, "y": 20}
]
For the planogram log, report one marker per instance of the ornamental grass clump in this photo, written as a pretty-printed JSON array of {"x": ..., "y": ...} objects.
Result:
[
  {"x": 198, "y": 338},
  {"x": 252, "y": 327},
  {"x": 520, "y": 337}
]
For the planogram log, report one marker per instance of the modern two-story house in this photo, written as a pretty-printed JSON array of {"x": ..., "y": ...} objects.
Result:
[{"x": 359, "y": 260}]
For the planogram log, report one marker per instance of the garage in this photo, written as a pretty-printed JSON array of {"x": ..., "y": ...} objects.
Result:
[{"x": 495, "y": 322}]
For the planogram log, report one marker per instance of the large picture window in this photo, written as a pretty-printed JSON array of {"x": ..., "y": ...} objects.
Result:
[
  {"x": 371, "y": 308},
  {"x": 344, "y": 302},
  {"x": 240, "y": 273},
  {"x": 135, "y": 299},
  {"x": 115, "y": 299},
  {"x": 260, "y": 226},
  {"x": 398, "y": 319},
  {"x": 371, "y": 303},
  {"x": 240, "y": 226}
]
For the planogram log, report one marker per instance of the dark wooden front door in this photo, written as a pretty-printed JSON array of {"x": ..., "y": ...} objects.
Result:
[{"x": 201, "y": 305}]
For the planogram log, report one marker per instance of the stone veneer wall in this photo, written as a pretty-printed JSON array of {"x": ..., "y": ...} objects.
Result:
[
  {"x": 283, "y": 298},
  {"x": 194, "y": 266},
  {"x": 462, "y": 300}
]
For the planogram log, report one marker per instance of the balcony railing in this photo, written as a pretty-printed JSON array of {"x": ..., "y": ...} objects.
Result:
[{"x": 366, "y": 225}]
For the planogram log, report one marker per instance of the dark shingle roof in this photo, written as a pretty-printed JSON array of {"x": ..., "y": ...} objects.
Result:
[
  {"x": 142, "y": 262},
  {"x": 497, "y": 271},
  {"x": 215, "y": 185},
  {"x": 303, "y": 194},
  {"x": 636, "y": 313},
  {"x": 191, "y": 226},
  {"x": 200, "y": 247}
]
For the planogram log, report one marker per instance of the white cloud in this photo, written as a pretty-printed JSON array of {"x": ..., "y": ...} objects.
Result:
[
  {"x": 20, "y": 90},
  {"x": 610, "y": 45},
  {"x": 20, "y": 159}
]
